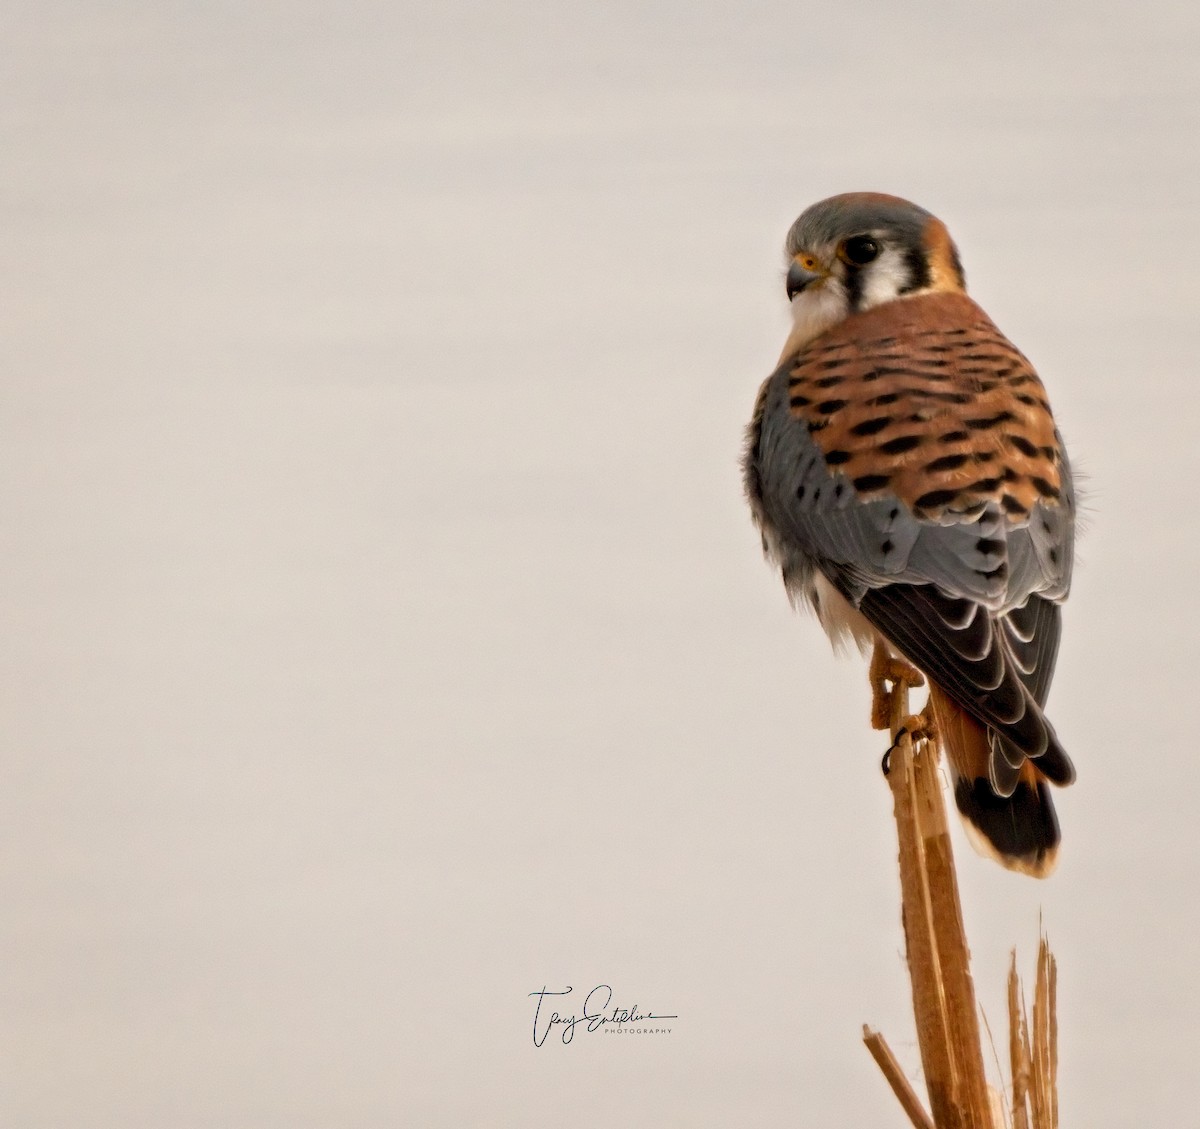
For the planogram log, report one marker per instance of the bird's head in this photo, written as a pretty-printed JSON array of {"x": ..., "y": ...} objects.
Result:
[{"x": 861, "y": 249}]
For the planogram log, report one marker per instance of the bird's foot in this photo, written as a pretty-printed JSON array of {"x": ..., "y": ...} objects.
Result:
[
  {"x": 916, "y": 727},
  {"x": 886, "y": 668}
]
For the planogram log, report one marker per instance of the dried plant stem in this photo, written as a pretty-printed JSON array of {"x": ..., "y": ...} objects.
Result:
[
  {"x": 935, "y": 942},
  {"x": 1034, "y": 1047},
  {"x": 901, "y": 1087},
  {"x": 939, "y": 968},
  {"x": 1018, "y": 1040}
]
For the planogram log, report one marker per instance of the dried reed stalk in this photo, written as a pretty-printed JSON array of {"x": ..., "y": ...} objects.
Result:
[
  {"x": 901, "y": 1087},
  {"x": 1033, "y": 1049},
  {"x": 939, "y": 968}
]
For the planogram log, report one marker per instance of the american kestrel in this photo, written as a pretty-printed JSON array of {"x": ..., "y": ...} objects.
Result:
[{"x": 909, "y": 481}]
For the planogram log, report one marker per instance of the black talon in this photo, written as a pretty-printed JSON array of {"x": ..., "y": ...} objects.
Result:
[{"x": 886, "y": 763}]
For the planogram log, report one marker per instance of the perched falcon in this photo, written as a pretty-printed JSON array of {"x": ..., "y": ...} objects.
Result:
[{"x": 909, "y": 481}]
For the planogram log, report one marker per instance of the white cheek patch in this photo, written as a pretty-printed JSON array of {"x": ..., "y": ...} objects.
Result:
[{"x": 885, "y": 278}]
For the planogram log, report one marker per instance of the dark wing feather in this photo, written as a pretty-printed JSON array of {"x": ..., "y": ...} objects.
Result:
[
  {"x": 974, "y": 662},
  {"x": 1032, "y": 633}
]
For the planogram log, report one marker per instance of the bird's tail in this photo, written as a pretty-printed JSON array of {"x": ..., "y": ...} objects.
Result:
[{"x": 1020, "y": 830}]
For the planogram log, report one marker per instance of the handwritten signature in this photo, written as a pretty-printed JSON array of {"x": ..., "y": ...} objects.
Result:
[{"x": 596, "y": 1014}]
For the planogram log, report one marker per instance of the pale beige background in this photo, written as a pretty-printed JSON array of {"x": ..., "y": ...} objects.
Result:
[{"x": 384, "y": 633}]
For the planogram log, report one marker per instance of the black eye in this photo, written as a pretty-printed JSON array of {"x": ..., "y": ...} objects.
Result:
[{"x": 859, "y": 250}]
